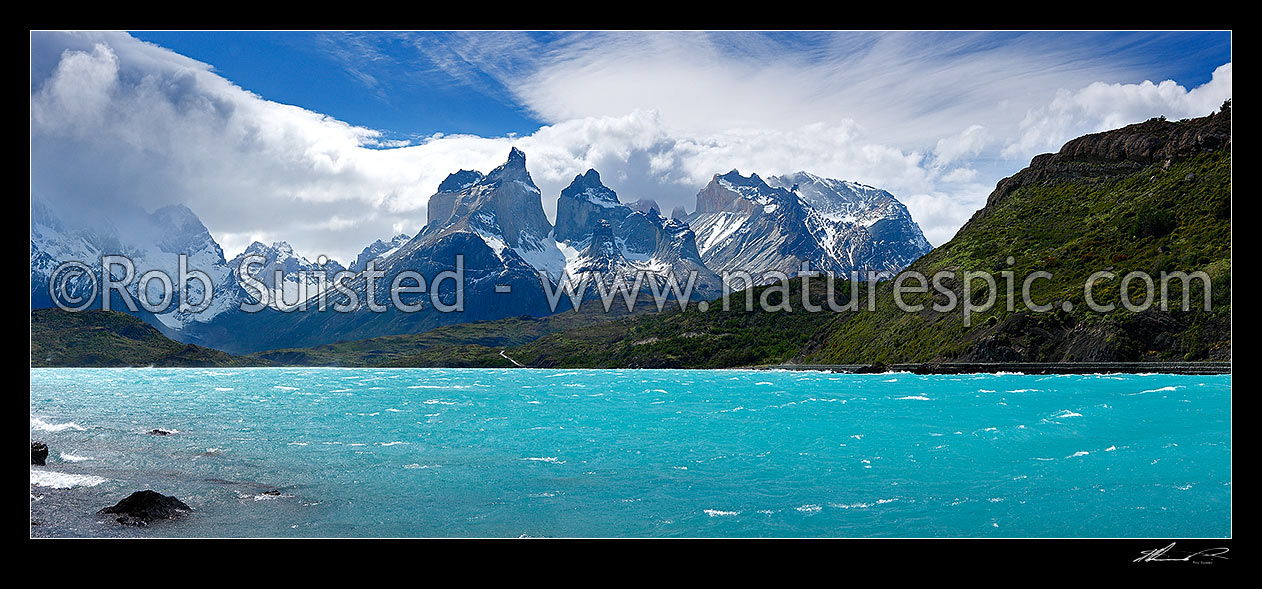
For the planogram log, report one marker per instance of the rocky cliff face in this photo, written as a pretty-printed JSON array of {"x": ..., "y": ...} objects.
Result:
[
  {"x": 745, "y": 225},
  {"x": 583, "y": 205},
  {"x": 618, "y": 239},
  {"x": 496, "y": 221},
  {"x": 505, "y": 203},
  {"x": 443, "y": 202}
]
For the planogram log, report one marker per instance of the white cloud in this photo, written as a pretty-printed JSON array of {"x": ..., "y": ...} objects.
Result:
[
  {"x": 960, "y": 175},
  {"x": 966, "y": 143},
  {"x": 115, "y": 121},
  {"x": 1100, "y": 106},
  {"x": 118, "y": 121},
  {"x": 907, "y": 89},
  {"x": 941, "y": 214}
]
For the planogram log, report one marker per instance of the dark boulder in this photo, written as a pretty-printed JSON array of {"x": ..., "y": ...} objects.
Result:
[
  {"x": 159, "y": 432},
  {"x": 39, "y": 453},
  {"x": 142, "y": 507}
]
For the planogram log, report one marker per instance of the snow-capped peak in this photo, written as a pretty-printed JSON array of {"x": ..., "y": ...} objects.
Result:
[
  {"x": 587, "y": 187},
  {"x": 378, "y": 250}
]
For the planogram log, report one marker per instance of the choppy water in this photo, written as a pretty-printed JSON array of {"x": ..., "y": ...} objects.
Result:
[{"x": 493, "y": 453}]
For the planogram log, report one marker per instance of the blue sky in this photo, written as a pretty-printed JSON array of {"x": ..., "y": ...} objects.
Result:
[
  {"x": 330, "y": 140},
  {"x": 410, "y": 95}
]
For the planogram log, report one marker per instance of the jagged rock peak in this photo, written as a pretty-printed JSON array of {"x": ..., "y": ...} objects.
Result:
[
  {"x": 457, "y": 181},
  {"x": 513, "y": 169},
  {"x": 591, "y": 177},
  {"x": 734, "y": 192},
  {"x": 587, "y": 186},
  {"x": 516, "y": 162}
]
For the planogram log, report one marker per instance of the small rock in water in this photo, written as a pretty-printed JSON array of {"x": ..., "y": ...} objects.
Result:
[
  {"x": 159, "y": 432},
  {"x": 39, "y": 453},
  {"x": 142, "y": 507}
]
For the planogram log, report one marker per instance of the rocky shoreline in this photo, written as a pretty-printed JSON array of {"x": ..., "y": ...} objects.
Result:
[{"x": 138, "y": 509}]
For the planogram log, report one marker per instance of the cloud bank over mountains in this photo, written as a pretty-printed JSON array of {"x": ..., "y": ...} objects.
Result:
[{"x": 118, "y": 123}]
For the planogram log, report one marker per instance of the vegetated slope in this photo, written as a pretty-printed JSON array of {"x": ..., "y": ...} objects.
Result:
[
  {"x": 1151, "y": 197},
  {"x": 691, "y": 338},
  {"x": 110, "y": 338},
  {"x": 476, "y": 344}
]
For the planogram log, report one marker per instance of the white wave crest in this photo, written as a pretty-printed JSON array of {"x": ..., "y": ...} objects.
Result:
[
  {"x": 63, "y": 480},
  {"x": 548, "y": 459},
  {"x": 43, "y": 426}
]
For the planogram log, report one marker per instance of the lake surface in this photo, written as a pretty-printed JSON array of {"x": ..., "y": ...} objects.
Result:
[{"x": 639, "y": 453}]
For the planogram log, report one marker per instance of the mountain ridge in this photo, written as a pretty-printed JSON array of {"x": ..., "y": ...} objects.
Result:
[{"x": 494, "y": 221}]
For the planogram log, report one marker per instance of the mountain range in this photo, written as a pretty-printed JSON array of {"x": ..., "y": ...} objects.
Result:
[{"x": 496, "y": 225}]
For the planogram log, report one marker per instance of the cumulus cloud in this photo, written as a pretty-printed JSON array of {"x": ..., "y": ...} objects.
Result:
[
  {"x": 966, "y": 143},
  {"x": 1101, "y": 106},
  {"x": 116, "y": 122}
]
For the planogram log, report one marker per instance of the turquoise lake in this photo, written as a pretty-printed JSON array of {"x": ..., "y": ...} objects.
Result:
[{"x": 327, "y": 452}]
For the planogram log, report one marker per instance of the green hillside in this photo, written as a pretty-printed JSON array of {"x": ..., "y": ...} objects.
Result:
[
  {"x": 688, "y": 339},
  {"x": 110, "y": 338},
  {"x": 466, "y": 345}
]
